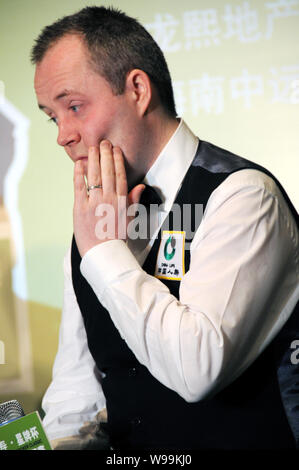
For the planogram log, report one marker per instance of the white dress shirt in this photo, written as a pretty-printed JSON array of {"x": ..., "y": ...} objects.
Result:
[{"x": 241, "y": 288}]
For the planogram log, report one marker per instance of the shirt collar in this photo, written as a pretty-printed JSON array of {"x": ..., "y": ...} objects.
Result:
[{"x": 167, "y": 172}]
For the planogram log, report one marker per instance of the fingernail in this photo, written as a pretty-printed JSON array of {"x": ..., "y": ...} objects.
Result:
[{"x": 105, "y": 143}]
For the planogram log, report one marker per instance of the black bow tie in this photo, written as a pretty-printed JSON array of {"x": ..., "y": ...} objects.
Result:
[{"x": 150, "y": 196}]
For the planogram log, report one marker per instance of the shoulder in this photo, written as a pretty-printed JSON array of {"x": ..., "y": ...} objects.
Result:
[
  {"x": 251, "y": 178},
  {"x": 250, "y": 189}
]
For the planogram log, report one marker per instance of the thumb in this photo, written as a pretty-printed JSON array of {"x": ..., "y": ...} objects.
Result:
[{"x": 135, "y": 194}]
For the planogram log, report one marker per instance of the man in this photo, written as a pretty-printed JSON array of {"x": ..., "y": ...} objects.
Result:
[{"x": 186, "y": 348}]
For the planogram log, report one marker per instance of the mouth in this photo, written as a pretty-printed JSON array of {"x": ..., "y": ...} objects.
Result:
[{"x": 82, "y": 158}]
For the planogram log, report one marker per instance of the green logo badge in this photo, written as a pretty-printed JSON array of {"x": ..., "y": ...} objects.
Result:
[{"x": 171, "y": 241}]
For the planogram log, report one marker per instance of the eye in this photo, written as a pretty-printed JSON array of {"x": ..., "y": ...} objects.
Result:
[
  {"x": 75, "y": 108},
  {"x": 53, "y": 119}
]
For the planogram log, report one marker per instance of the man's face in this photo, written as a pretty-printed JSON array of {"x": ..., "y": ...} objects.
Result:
[{"x": 81, "y": 102}]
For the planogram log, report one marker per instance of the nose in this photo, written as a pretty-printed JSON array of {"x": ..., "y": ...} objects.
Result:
[{"x": 67, "y": 134}]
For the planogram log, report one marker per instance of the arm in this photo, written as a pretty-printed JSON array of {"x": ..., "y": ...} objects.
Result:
[
  {"x": 75, "y": 394},
  {"x": 239, "y": 291}
]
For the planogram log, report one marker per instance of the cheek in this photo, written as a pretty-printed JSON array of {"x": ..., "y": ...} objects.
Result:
[{"x": 97, "y": 127}]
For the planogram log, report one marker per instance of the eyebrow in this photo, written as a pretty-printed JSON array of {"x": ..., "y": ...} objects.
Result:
[{"x": 58, "y": 97}]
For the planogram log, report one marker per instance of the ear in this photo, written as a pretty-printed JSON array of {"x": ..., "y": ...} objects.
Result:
[{"x": 139, "y": 87}]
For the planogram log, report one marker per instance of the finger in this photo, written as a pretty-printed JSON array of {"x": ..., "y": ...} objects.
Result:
[
  {"x": 107, "y": 167},
  {"x": 120, "y": 172},
  {"x": 93, "y": 170},
  {"x": 80, "y": 194}
]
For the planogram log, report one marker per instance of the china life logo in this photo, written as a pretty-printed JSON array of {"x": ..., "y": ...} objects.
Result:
[
  {"x": 169, "y": 253},
  {"x": 170, "y": 261}
]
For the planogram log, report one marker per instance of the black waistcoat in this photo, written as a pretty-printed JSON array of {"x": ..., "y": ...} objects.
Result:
[{"x": 143, "y": 413}]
